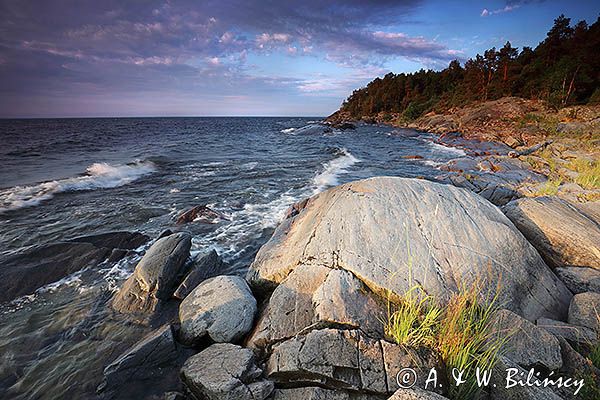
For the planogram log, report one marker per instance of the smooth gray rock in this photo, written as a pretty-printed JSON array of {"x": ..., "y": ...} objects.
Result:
[
  {"x": 318, "y": 393},
  {"x": 563, "y": 235},
  {"x": 385, "y": 230},
  {"x": 222, "y": 308},
  {"x": 528, "y": 345},
  {"x": 206, "y": 267},
  {"x": 143, "y": 361},
  {"x": 316, "y": 297},
  {"x": 155, "y": 276},
  {"x": 416, "y": 394},
  {"x": 585, "y": 310},
  {"x": 343, "y": 359},
  {"x": 25, "y": 272},
  {"x": 225, "y": 371},
  {"x": 580, "y": 279},
  {"x": 574, "y": 334}
]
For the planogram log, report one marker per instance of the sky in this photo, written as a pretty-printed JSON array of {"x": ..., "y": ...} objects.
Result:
[{"x": 76, "y": 58}]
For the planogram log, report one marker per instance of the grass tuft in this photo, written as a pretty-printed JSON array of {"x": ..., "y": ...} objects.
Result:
[
  {"x": 462, "y": 333},
  {"x": 550, "y": 188}
]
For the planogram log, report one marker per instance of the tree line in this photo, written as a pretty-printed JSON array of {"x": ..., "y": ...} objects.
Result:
[{"x": 564, "y": 69}]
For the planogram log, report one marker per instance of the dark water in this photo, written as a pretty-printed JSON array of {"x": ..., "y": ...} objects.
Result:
[{"x": 65, "y": 178}]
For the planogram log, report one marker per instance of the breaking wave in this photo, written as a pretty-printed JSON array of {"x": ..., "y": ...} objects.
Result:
[{"x": 97, "y": 176}]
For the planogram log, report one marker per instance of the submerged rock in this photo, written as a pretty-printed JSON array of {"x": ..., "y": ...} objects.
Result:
[
  {"x": 225, "y": 371},
  {"x": 392, "y": 233},
  {"x": 201, "y": 212},
  {"x": 155, "y": 276},
  {"x": 144, "y": 361},
  {"x": 25, "y": 272},
  {"x": 563, "y": 235},
  {"x": 222, "y": 308},
  {"x": 206, "y": 267}
]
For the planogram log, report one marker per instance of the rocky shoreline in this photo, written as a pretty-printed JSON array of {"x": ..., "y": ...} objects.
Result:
[{"x": 307, "y": 321}]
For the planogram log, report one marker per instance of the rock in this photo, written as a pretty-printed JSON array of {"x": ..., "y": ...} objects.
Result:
[
  {"x": 564, "y": 236},
  {"x": 579, "y": 335},
  {"x": 527, "y": 345},
  {"x": 351, "y": 361},
  {"x": 344, "y": 126},
  {"x": 574, "y": 364},
  {"x": 317, "y": 393},
  {"x": 314, "y": 296},
  {"x": 343, "y": 299},
  {"x": 580, "y": 279},
  {"x": 174, "y": 396},
  {"x": 397, "y": 357},
  {"x": 206, "y": 267},
  {"x": 145, "y": 361},
  {"x": 225, "y": 371},
  {"x": 454, "y": 236},
  {"x": 25, "y": 272},
  {"x": 585, "y": 310},
  {"x": 200, "y": 213},
  {"x": 222, "y": 308},
  {"x": 155, "y": 276},
  {"x": 500, "y": 391},
  {"x": 114, "y": 240},
  {"x": 416, "y": 394}
]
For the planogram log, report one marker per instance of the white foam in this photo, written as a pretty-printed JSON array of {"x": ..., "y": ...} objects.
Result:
[
  {"x": 254, "y": 217},
  {"x": 97, "y": 176},
  {"x": 332, "y": 171},
  {"x": 288, "y": 130},
  {"x": 447, "y": 149}
]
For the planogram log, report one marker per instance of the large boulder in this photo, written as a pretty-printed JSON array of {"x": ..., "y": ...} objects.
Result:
[
  {"x": 393, "y": 233},
  {"x": 585, "y": 310},
  {"x": 27, "y": 271},
  {"x": 155, "y": 277},
  {"x": 205, "y": 267},
  {"x": 563, "y": 235},
  {"x": 527, "y": 345},
  {"x": 145, "y": 361},
  {"x": 225, "y": 371},
  {"x": 222, "y": 308}
]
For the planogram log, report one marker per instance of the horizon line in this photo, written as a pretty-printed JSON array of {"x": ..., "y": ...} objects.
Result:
[{"x": 165, "y": 116}]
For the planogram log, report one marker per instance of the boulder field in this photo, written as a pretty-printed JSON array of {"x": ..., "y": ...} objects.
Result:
[{"x": 307, "y": 321}]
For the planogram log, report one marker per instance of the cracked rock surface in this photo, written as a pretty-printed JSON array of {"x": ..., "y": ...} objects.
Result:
[
  {"x": 392, "y": 233},
  {"x": 225, "y": 371}
]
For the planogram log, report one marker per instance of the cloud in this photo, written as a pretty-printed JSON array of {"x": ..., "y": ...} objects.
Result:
[
  {"x": 508, "y": 8},
  {"x": 185, "y": 46}
]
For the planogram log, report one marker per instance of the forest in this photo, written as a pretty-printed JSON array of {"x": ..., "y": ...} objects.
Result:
[{"x": 564, "y": 69}]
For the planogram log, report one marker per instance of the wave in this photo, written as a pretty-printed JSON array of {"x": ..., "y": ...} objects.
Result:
[
  {"x": 447, "y": 149},
  {"x": 97, "y": 176},
  {"x": 287, "y": 130},
  {"x": 333, "y": 169},
  {"x": 254, "y": 218}
]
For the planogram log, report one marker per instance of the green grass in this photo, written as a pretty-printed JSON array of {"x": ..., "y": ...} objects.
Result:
[
  {"x": 461, "y": 333},
  {"x": 412, "y": 321},
  {"x": 589, "y": 173},
  {"x": 550, "y": 188}
]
